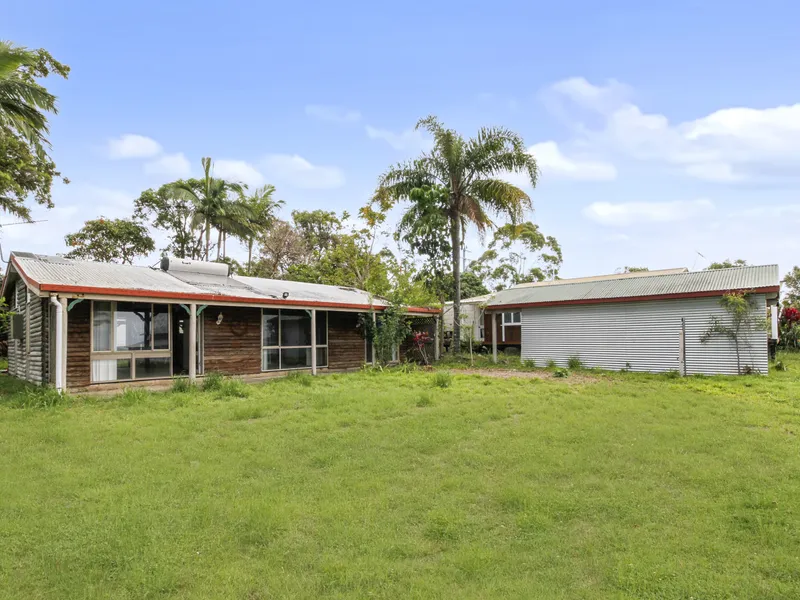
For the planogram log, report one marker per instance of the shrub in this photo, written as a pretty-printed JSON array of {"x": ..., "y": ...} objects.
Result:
[
  {"x": 560, "y": 372},
  {"x": 298, "y": 378},
  {"x": 443, "y": 379},
  {"x": 551, "y": 364},
  {"x": 212, "y": 381},
  {"x": 182, "y": 385},
  {"x": 780, "y": 365},
  {"x": 530, "y": 364},
  {"x": 233, "y": 388},
  {"x": 574, "y": 362},
  {"x": 511, "y": 351}
]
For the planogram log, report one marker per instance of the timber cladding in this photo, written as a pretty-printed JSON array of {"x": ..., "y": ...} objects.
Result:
[
  {"x": 346, "y": 347},
  {"x": 79, "y": 367},
  {"x": 234, "y": 346}
]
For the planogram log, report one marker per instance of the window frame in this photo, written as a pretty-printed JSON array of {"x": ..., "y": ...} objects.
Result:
[
  {"x": 280, "y": 347},
  {"x": 132, "y": 355},
  {"x": 510, "y": 323}
]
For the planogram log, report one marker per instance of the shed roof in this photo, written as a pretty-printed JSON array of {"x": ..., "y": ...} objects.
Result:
[
  {"x": 625, "y": 287},
  {"x": 58, "y": 274}
]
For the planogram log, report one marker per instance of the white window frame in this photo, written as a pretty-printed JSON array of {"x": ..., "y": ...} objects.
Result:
[
  {"x": 131, "y": 355},
  {"x": 510, "y": 322},
  {"x": 279, "y": 347}
]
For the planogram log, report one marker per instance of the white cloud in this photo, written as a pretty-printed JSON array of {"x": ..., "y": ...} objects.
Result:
[
  {"x": 238, "y": 171},
  {"x": 411, "y": 140},
  {"x": 132, "y": 145},
  {"x": 632, "y": 213},
  {"x": 728, "y": 145},
  {"x": 553, "y": 162},
  {"x": 770, "y": 211},
  {"x": 335, "y": 114},
  {"x": 296, "y": 171},
  {"x": 173, "y": 166}
]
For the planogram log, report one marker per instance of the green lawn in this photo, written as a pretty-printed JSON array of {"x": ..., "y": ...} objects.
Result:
[{"x": 381, "y": 485}]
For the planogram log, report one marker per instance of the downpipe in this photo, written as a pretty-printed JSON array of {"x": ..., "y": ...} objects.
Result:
[{"x": 59, "y": 341}]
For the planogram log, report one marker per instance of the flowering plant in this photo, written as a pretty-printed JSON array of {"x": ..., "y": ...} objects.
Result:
[{"x": 420, "y": 339}]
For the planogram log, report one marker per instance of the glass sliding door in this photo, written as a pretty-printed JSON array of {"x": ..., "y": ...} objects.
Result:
[{"x": 286, "y": 339}]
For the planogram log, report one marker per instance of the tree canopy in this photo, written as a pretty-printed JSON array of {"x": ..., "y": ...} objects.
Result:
[
  {"x": 727, "y": 264},
  {"x": 110, "y": 240}
]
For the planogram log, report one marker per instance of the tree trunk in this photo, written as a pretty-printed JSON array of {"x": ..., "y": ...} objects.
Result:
[
  {"x": 208, "y": 239},
  {"x": 219, "y": 243},
  {"x": 250, "y": 256},
  {"x": 455, "y": 231}
]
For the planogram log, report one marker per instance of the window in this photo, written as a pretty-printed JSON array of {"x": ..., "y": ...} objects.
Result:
[
  {"x": 130, "y": 340},
  {"x": 510, "y": 319},
  {"x": 286, "y": 339}
]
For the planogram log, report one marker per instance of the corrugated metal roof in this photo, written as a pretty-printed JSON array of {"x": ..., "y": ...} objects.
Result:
[
  {"x": 59, "y": 271},
  {"x": 604, "y": 277},
  {"x": 715, "y": 280}
]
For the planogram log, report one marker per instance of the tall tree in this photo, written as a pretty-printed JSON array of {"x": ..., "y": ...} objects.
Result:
[
  {"x": 213, "y": 207},
  {"x": 110, "y": 240},
  {"x": 472, "y": 170},
  {"x": 280, "y": 247},
  {"x": 319, "y": 228},
  {"x": 167, "y": 211},
  {"x": 25, "y": 168},
  {"x": 263, "y": 208}
]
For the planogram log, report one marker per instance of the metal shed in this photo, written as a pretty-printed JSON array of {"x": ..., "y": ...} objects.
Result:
[{"x": 648, "y": 322}]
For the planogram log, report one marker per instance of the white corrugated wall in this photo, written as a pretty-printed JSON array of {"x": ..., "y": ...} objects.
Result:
[
  {"x": 30, "y": 361},
  {"x": 641, "y": 336}
]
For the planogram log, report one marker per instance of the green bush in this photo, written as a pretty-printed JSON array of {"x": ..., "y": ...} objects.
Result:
[
  {"x": 529, "y": 364},
  {"x": 574, "y": 362},
  {"x": 304, "y": 379},
  {"x": 780, "y": 365},
  {"x": 182, "y": 385},
  {"x": 560, "y": 372},
  {"x": 212, "y": 381},
  {"x": 551, "y": 364},
  {"x": 443, "y": 379}
]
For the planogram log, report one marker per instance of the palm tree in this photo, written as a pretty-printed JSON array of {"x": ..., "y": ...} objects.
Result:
[
  {"x": 212, "y": 206},
  {"x": 472, "y": 170},
  {"x": 23, "y": 102},
  {"x": 262, "y": 208}
]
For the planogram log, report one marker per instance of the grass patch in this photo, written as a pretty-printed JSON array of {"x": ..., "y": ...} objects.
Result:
[
  {"x": 386, "y": 486},
  {"x": 574, "y": 363},
  {"x": 212, "y": 381},
  {"x": 182, "y": 385},
  {"x": 298, "y": 378}
]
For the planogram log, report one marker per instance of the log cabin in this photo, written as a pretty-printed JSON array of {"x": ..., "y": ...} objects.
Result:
[{"x": 89, "y": 326}]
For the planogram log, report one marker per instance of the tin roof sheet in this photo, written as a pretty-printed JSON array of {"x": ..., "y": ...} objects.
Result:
[
  {"x": 58, "y": 271},
  {"x": 715, "y": 280}
]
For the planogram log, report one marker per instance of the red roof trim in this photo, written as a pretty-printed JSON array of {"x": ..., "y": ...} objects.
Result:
[
  {"x": 761, "y": 290},
  {"x": 210, "y": 298}
]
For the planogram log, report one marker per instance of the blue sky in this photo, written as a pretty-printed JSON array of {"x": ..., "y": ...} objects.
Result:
[{"x": 661, "y": 132}]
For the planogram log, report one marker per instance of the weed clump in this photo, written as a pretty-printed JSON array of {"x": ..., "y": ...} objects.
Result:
[{"x": 443, "y": 379}]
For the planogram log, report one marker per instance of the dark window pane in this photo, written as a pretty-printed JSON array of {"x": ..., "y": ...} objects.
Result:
[
  {"x": 161, "y": 326},
  {"x": 368, "y": 352},
  {"x": 132, "y": 323},
  {"x": 124, "y": 368},
  {"x": 269, "y": 360},
  {"x": 270, "y": 328},
  {"x": 295, "y": 328},
  {"x": 149, "y": 368},
  {"x": 101, "y": 327},
  {"x": 322, "y": 328},
  {"x": 322, "y": 357},
  {"x": 295, "y": 358}
]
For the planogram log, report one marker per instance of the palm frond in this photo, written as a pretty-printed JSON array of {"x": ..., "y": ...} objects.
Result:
[{"x": 502, "y": 197}]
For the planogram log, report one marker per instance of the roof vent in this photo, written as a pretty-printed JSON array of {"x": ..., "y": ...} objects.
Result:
[{"x": 185, "y": 265}]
